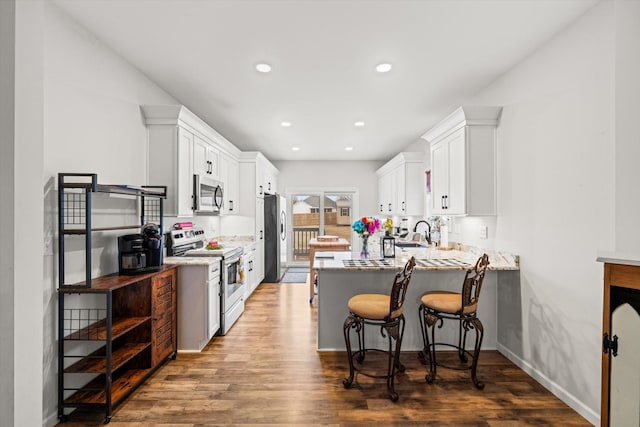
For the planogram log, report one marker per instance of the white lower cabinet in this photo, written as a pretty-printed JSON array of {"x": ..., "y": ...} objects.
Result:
[
  {"x": 198, "y": 305},
  {"x": 250, "y": 276}
]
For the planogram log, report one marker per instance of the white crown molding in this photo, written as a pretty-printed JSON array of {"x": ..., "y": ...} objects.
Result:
[{"x": 464, "y": 116}]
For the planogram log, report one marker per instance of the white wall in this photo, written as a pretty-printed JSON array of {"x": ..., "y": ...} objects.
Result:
[
  {"x": 627, "y": 81},
  {"x": 556, "y": 198},
  {"x": 7, "y": 216},
  {"x": 92, "y": 124},
  {"x": 333, "y": 175}
]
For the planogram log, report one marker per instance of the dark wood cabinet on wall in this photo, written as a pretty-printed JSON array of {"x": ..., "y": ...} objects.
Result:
[
  {"x": 107, "y": 350},
  {"x": 621, "y": 343}
]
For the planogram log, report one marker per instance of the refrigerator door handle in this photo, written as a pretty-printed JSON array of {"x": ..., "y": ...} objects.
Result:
[{"x": 283, "y": 226}]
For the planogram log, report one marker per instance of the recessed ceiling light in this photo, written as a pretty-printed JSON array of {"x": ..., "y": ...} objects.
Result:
[
  {"x": 358, "y": 124},
  {"x": 285, "y": 124},
  {"x": 383, "y": 68},
  {"x": 295, "y": 148},
  {"x": 263, "y": 68},
  {"x": 348, "y": 148}
]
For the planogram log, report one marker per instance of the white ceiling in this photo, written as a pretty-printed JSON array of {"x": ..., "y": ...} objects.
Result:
[{"x": 323, "y": 54}]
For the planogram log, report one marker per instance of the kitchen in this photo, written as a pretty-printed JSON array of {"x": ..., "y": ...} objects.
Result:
[{"x": 77, "y": 108}]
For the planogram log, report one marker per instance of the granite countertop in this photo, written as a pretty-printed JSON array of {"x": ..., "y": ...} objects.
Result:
[
  {"x": 185, "y": 260},
  {"x": 426, "y": 259}
]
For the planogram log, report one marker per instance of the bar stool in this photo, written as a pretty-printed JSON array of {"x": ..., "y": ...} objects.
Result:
[
  {"x": 439, "y": 305},
  {"x": 385, "y": 312}
]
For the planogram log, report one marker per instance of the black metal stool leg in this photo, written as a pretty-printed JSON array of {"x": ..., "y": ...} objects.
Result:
[
  {"x": 462, "y": 341},
  {"x": 362, "y": 351},
  {"x": 399, "y": 366},
  {"x": 350, "y": 322},
  {"x": 477, "y": 324},
  {"x": 422, "y": 354}
]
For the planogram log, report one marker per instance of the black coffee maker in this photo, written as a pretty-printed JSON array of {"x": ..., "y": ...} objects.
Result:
[{"x": 140, "y": 253}]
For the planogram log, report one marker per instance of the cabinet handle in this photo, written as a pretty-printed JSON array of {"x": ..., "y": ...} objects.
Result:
[
  {"x": 380, "y": 207},
  {"x": 441, "y": 202},
  {"x": 446, "y": 202},
  {"x": 230, "y": 205},
  {"x": 269, "y": 186},
  {"x": 389, "y": 207},
  {"x": 402, "y": 206},
  {"x": 260, "y": 190},
  {"x": 260, "y": 234}
]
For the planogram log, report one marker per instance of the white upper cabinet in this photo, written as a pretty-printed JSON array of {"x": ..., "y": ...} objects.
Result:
[
  {"x": 206, "y": 158},
  {"x": 463, "y": 162},
  {"x": 230, "y": 177},
  {"x": 401, "y": 185},
  {"x": 179, "y": 145}
]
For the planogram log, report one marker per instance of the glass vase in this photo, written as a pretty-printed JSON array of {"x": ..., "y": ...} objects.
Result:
[{"x": 364, "y": 253}]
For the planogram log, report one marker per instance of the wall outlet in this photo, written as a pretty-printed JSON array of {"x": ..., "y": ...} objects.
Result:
[{"x": 483, "y": 232}]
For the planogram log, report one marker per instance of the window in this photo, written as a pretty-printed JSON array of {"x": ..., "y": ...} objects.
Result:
[
  {"x": 328, "y": 209},
  {"x": 314, "y": 210},
  {"x": 344, "y": 212}
]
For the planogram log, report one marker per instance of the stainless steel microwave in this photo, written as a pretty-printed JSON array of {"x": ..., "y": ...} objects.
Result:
[{"x": 208, "y": 195}]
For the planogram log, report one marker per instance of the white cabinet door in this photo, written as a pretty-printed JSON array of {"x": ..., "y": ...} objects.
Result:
[
  {"x": 230, "y": 176},
  {"x": 249, "y": 273},
  {"x": 411, "y": 188},
  {"x": 441, "y": 172},
  {"x": 457, "y": 194},
  {"x": 386, "y": 193},
  {"x": 232, "y": 187},
  {"x": 214, "y": 307},
  {"x": 399, "y": 190},
  {"x": 170, "y": 153},
  {"x": 463, "y": 162},
  {"x": 205, "y": 158},
  {"x": 183, "y": 198},
  {"x": 260, "y": 178}
]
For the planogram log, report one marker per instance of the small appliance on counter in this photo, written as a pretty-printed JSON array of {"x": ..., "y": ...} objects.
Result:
[{"x": 140, "y": 253}]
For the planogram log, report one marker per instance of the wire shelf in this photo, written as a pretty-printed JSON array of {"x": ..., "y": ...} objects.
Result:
[{"x": 84, "y": 323}]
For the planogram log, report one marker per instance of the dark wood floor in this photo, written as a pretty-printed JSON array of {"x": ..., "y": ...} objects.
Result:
[{"x": 266, "y": 371}]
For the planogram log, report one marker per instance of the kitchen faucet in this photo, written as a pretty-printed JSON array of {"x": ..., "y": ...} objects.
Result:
[{"x": 427, "y": 234}]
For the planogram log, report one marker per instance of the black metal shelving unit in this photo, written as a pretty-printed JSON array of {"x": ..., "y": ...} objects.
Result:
[
  {"x": 121, "y": 328},
  {"x": 75, "y": 194}
]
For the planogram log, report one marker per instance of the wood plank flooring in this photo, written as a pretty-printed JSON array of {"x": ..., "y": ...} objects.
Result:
[{"x": 266, "y": 371}]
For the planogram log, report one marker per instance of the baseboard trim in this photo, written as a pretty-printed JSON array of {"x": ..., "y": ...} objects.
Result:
[
  {"x": 562, "y": 394},
  {"x": 51, "y": 420}
]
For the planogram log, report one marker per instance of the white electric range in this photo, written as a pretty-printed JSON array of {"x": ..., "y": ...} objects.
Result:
[{"x": 190, "y": 243}]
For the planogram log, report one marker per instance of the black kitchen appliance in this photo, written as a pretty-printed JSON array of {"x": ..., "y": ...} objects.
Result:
[
  {"x": 274, "y": 236},
  {"x": 140, "y": 253}
]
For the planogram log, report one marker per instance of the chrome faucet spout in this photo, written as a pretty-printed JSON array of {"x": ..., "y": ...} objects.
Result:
[{"x": 427, "y": 233}]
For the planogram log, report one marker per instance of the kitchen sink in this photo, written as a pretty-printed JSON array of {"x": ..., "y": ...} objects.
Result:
[{"x": 409, "y": 245}]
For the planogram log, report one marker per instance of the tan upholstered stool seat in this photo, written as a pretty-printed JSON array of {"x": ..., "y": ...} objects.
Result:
[
  {"x": 370, "y": 306},
  {"x": 446, "y": 302}
]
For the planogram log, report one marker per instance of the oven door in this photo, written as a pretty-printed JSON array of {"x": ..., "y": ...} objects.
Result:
[{"x": 233, "y": 281}]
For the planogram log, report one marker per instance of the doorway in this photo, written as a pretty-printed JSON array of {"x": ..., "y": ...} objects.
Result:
[{"x": 319, "y": 213}]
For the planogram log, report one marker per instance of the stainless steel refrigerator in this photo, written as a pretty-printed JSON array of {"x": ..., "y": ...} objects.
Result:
[{"x": 275, "y": 236}]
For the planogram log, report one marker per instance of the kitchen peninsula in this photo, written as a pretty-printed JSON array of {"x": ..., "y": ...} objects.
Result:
[{"x": 345, "y": 275}]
